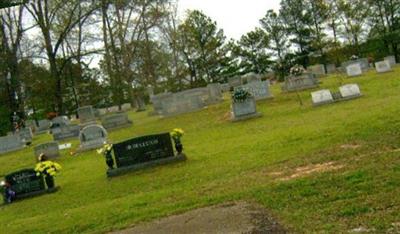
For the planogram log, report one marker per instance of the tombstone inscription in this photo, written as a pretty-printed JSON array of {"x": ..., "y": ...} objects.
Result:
[
  {"x": 26, "y": 183},
  {"x": 141, "y": 152}
]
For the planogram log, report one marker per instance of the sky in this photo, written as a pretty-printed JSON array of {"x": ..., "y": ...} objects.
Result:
[{"x": 235, "y": 17}]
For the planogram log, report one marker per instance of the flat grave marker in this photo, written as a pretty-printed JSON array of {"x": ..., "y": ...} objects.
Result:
[{"x": 321, "y": 97}]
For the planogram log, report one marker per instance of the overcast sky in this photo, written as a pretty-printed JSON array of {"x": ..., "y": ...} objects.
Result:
[{"x": 235, "y": 17}]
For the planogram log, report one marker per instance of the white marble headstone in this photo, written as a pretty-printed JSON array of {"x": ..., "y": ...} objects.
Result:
[
  {"x": 391, "y": 59},
  {"x": 354, "y": 70},
  {"x": 350, "y": 91},
  {"x": 383, "y": 66},
  {"x": 321, "y": 97}
]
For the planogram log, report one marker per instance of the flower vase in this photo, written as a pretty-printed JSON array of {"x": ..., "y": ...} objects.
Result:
[
  {"x": 49, "y": 181},
  {"x": 109, "y": 160},
  {"x": 178, "y": 147}
]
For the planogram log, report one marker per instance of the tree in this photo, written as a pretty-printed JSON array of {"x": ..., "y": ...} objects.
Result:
[
  {"x": 252, "y": 50},
  {"x": 56, "y": 19},
  {"x": 202, "y": 47},
  {"x": 275, "y": 28},
  {"x": 297, "y": 21},
  {"x": 318, "y": 10}
]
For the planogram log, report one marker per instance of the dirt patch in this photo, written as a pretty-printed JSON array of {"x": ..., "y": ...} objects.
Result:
[
  {"x": 226, "y": 117},
  {"x": 240, "y": 217},
  {"x": 310, "y": 169},
  {"x": 350, "y": 146}
]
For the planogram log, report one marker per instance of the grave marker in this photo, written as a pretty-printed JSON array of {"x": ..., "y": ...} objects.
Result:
[
  {"x": 321, "y": 97},
  {"x": 92, "y": 137},
  {"x": 50, "y": 149},
  {"x": 65, "y": 132},
  {"x": 11, "y": 143},
  {"x": 350, "y": 91},
  {"x": 354, "y": 70},
  {"x": 114, "y": 121},
  {"x": 383, "y": 66},
  {"x": 141, "y": 152},
  {"x": 245, "y": 109},
  {"x": 26, "y": 183},
  {"x": 86, "y": 115}
]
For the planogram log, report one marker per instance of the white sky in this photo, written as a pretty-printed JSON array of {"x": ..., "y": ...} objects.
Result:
[{"x": 235, "y": 17}]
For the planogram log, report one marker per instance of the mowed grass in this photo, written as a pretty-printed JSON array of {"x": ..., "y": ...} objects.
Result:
[{"x": 350, "y": 152}]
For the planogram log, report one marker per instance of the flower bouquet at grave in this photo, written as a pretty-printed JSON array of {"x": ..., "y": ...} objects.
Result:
[
  {"x": 354, "y": 57},
  {"x": 176, "y": 135},
  {"x": 106, "y": 151},
  {"x": 297, "y": 70},
  {"x": 240, "y": 95},
  {"x": 48, "y": 169}
]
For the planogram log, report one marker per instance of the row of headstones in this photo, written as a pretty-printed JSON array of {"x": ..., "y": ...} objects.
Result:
[
  {"x": 325, "y": 96},
  {"x": 114, "y": 109},
  {"x": 169, "y": 104},
  {"x": 357, "y": 68}
]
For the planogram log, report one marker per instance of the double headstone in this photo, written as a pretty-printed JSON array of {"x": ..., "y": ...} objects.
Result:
[
  {"x": 50, "y": 149},
  {"x": 86, "y": 115},
  {"x": 141, "y": 152},
  {"x": 26, "y": 135},
  {"x": 383, "y": 66},
  {"x": 92, "y": 137},
  {"x": 244, "y": 109},
  {"x": 11, "y": 143},
  {"x": 354, "y": 70},
  {"x": 65, "y": 132},
  {"x": 305, "y": 81},
  {"x": 114, "y": 121},
  {"x": 346, "y": 92}
]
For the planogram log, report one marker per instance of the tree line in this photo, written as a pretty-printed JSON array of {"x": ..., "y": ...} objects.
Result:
[{"x": 47, "y": 46}]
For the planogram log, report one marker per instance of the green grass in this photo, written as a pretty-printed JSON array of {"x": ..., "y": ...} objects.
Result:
[{"x": 239, "y": 161}]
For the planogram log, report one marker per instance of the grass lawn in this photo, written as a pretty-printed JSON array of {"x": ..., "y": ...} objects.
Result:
[{"x": 327, "y": 169}]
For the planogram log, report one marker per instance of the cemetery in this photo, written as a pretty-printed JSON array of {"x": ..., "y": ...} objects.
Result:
[{"x": 135, "y": 117}]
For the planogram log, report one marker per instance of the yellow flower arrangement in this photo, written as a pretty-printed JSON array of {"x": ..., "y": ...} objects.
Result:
[
  {"x": 48, "y": 168},
  {"x": 177, "y": 133},
  {"x": 105, "y": 148}
]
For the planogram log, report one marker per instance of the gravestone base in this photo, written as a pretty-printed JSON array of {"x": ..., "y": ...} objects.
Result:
[
  {"x": 34, "y": 194},
  {"x": 338, "y": 98},
  {"x": 84, "y": 148},
  {"x": 244, "y": 117},
  {"x": 124, "y": 170}
]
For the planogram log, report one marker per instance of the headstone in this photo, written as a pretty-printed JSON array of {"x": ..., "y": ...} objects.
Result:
[
  {"x": 391, "y": 60},
  {"x": 114, "y": 121},
  {"x": 86, "y": 115},
  {"x": 225, "y": 87},
  {"x": 10, "y": 143},
  {"x": 215, "y": 92},
  {"x": 50, "y": 149},
  {"x": 43, "y": 126},
  {"x": 26, "y": 183},
  {"x": 102, "y": 111},
  {"x": 26, "y": 134},
  {"x": 330, "y": 68},
  {"x": 60, "y": 121},
  {"x": 158, "y": 101},
  {"x": 141, "y": 105},
  {"x": 318, "y": 70},
  {"x": 258, "y": 89},
  {"x": 350, "y": 91},
  {"x": 305, "y": 81},
  {"x": 31, "y": 124},
  {"x": 251, "y": 77},
  {"x": 235, "y": 81},
  {"x": 321, "y": 97},
  {"x": 180, "y": 105},
  {"x": 363, "y": 62},
  {"x": 92, "y": 137},
  {"x": 113, "y": 109},
  {"x": 126, "y": 107},
  {"x": 65, "y": 132},
  {"x": 142, "y": 152},
  {"x": 244, "y": 109},
  {"x": 383, "y": 66},
  {"x": 354, "y": 70}
]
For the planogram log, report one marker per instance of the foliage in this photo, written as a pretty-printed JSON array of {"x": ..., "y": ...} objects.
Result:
[
  {"x": 47, "y": 168},
  {"x": 177, "y": 134},
  {"x": 240, "y": 95},
  {"x": 297, "y": 70}
]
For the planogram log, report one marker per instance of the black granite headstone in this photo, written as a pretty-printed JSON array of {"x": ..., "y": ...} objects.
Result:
[
  {"x": 25, "y": 183},
  {"x": 143, "y": 149}
]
